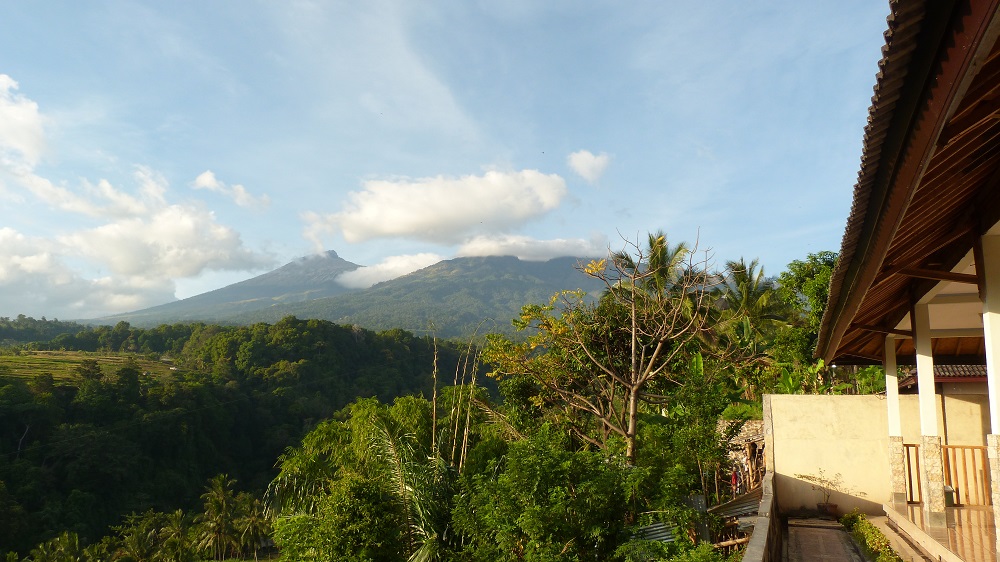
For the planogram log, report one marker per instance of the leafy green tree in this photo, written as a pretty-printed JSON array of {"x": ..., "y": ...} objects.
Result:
[
  {"x": 356, "y": 521},
  {"x": 90, "y": 370},
  {"x": 805, "y": 285},
  {"x": 604, "y": 360},
  {"x": 546, "y": 502}
]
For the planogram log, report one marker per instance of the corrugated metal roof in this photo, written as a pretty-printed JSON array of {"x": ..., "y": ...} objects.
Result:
[
  {"x": 904, "y": 23},
  {"x": 657, "y": 532},
  {"x": 741, "y": 505}
]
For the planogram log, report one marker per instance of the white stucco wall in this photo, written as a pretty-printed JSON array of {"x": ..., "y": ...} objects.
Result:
[
  {"x": 845, "y": 439},
  {"x": 842, "y": 438}
]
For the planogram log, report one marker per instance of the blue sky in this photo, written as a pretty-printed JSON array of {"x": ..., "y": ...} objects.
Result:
[{"x": 152, "y": 151}]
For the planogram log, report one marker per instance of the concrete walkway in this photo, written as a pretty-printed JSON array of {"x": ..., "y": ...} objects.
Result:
[
  {"x": 907, "y": 551},
  {"x": 819, "y": 540}
]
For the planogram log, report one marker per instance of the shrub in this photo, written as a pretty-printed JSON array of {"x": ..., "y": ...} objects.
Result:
[{"x": 869, "y": 537}]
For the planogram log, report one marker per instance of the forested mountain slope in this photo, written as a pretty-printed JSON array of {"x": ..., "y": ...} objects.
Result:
[
  {"x": 306, "y": 278},
  {"x": 457, "y": 297}
]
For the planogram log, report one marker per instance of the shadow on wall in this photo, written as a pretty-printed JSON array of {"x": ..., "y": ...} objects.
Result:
[{"x": 832, "y": 496}]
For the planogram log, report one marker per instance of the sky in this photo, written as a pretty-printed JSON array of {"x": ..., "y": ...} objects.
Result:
[{"x": 151, "y": 151}]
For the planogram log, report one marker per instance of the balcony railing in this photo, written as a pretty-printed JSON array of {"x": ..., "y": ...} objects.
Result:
[{"x": 966, "y": 470}]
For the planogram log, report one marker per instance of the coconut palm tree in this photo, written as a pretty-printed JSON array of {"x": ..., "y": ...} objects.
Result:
[
  {"x": 748, "y": 293},
  {"x": 658, "y": 266},
  {"x": 64, "y": 548},
  {"x": 216, "y": 534},
  {"x": 422, "y": 483},
  {"x": 175, "y": 542},
  {"x": 750, "y": 311},
  {"x": 138, "y": 538},
  {"x": 252, "y": 523}
]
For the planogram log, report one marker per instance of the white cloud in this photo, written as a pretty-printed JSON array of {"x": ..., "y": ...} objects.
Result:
[
  {"x": 22, "y": 138},
  {"x": 174, "y": 241},
  {"x": 238, "y": 193},
  {"x": 129, "y": 260},
  {"x": 530, "y": 249},
  {"x": 588, "y": 166},
  {"x": 138, "y": 259},
  {"x": 98, "y": 201},
  {"x": 444, "y": 210},
  {"x": 37, "y": 281},
  {"x": 390, "y": 268},
  {"x": 316, "y": 226}
]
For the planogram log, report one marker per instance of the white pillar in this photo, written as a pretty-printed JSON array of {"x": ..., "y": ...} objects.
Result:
[
  {"x": 989, "y": 284},
  {"x": 925, "y": 369},
  {"x": 990, "y": 270},
  {"x": 897, "y": 452},
  {"x": 931, "y": 462},
  {"x": 892, "y": 387}
]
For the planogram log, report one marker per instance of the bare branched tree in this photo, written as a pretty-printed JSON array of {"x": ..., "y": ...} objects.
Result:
[{"x": 601, "y": 358}]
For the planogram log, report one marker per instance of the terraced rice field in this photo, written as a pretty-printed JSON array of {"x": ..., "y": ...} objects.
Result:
[{"x": 62, "y": 364}]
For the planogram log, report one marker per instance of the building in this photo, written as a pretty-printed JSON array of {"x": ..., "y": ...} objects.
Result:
[{"x": 918, "y": 281}]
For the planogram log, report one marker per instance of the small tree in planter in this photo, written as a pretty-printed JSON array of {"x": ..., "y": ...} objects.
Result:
[{"x": 826, "y": 486}]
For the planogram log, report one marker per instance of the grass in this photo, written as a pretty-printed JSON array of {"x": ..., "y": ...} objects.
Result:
[{"x": 62, "y": 364}]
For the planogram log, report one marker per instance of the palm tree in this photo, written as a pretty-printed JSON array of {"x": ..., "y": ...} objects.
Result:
[
  {"x": 422, "y": 482},
  {"x": 748, "y": 293},
  {"x": 307, "y": 472},
  {"x": 64, "y": 548},
  {"x": 750, "y": 311},
  {"x": 139, "y": 537},
  {"x": 658, "y": 266},
  {"x": 252, "y": 523},
  {"x": 175, "y": 544},
  {"x": 216, "y": 533}
]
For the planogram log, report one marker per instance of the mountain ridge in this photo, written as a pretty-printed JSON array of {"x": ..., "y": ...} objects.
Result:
[{"x": 453, "y": 298}]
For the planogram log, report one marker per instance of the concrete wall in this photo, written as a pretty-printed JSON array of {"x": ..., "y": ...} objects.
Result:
[
  {"x": 845, "y": 439},
  {"x": 968, "y": 415},
  {"x": 840, "y": 438}
]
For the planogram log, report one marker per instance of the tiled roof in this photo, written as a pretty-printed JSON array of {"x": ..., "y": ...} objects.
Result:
[
  {"x": 926, "y": 185},
  {"x": 949, "y": 373}
]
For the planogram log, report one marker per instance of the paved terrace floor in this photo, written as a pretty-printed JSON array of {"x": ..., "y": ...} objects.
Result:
[
  {"x": 825, "y": 540},
  {"x": 819, "y": 540},
  {"x": 970, "y": 534}
]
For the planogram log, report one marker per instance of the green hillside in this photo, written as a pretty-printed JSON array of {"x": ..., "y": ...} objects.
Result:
[
  {"x": 306, "y": 278},
  {"x": 458, "y": 297}
]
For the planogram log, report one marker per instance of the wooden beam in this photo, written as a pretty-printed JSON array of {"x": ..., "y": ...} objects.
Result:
[
  {"x": 880, "y": 330},
  {"x": 733, "y": 542},
  {"x": 957, "y": 333},
  {"x": 979, "y": 112},
  {"x": 956, "y": 298},
  {"x": 936, "y": 275},
  {"x": 890, "y": 270}
]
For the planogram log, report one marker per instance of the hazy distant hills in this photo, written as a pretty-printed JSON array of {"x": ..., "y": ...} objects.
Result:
[{"x": 458, "y": 296}]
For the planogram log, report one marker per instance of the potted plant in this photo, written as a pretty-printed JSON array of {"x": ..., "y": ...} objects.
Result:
[{"x": 826, "y": 486}]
